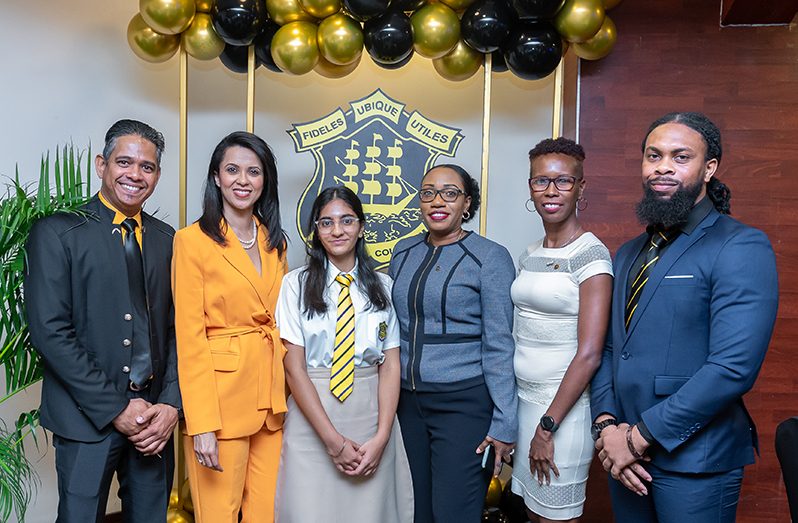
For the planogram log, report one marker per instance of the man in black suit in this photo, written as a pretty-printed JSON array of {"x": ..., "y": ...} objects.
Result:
[{"x": 99, "y": 305}]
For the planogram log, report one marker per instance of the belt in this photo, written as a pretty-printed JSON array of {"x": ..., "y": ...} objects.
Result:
[{"x": 267, "y": 329}]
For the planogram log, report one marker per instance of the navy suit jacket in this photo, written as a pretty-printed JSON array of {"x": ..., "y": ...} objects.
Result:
[
  {"x": 77, "y": 301},
  {"x": 694, "y": 346}
]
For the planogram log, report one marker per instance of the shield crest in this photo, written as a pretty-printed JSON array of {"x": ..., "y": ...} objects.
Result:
[{"x": 380, "y": 151}]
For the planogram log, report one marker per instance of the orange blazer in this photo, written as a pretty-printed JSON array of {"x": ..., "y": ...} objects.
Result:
[{"x": 229, "y": 354}]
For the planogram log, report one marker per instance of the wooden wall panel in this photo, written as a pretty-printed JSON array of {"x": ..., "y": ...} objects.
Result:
[{"x": 673, "y": 55}]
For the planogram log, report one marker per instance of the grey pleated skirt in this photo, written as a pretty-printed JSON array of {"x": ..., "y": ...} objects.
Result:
[{"x": 309, "y": 487}]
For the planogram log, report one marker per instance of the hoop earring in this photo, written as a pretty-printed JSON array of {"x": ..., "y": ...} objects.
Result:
[
  {"x": 526, "y": 205},
  {"x": 466, "y": 215},
  {"x": 581, "y": 203}
]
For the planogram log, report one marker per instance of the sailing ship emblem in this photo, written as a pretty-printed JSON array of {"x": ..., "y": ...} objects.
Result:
[{"x": 380, "y": 151}]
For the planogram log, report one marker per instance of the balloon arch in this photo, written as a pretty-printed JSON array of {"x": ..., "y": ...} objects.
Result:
[{"x": 528, "y": 37}]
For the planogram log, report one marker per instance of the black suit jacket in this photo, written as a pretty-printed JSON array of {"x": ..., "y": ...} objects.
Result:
[{"x": 78, "y": 307}]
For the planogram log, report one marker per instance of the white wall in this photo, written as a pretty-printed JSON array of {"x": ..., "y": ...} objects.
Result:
[{"x": 67, "y": 74}]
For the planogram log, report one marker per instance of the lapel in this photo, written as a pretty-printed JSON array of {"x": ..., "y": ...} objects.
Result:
[
  {"x": 622, "y": 271},
  {"x": 680, "y": 245},
  {"x": 236, "y": 256},
  {"x": 150, "y": 250},
  {"x": 109, "y": 238}
]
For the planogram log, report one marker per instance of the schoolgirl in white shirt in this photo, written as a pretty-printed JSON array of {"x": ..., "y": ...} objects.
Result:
[{"x": 342, "y": 457}]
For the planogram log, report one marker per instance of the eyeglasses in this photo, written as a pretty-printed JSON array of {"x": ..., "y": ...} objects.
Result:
[
  {"x": 562, "y": 183},
  {"x": 448, "y": 194},
  {"x": 327, "y": 224}
]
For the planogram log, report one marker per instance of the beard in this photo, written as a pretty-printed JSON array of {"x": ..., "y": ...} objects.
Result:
[{"x": 653, "y": 210}]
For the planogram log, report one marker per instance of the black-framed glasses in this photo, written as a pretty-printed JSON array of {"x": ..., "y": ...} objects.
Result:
[
  {"x": 562, "y": 183},
  {"x": 327, "y": 224},
  {"x": 448, "y": 194}
]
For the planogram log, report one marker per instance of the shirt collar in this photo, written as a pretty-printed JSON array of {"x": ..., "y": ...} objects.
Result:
[
  {"x": 119, "y": 217},
  {"x": 697, "y": 215},
  {"x": 333, "y": 272}
]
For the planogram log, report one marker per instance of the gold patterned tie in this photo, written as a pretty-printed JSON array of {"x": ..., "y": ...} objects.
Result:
[
  {"x": 656, "y": 241},
  {"x": 342, "y": 377}
]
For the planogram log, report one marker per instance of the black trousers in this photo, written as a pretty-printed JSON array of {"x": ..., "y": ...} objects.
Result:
[
  {"x": 441, "y": 431},
  {"x": 787, "y": 452}
]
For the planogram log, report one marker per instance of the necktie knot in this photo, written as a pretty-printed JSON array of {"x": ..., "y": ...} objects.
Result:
[
  {"x": 130, "y": 224},
  {"x": 344, "y": 279},
  {"x": 659, "y": 238}
]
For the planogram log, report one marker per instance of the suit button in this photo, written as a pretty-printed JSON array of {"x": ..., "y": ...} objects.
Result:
[
  {"x": 125, "y": 369},
  {"x": 126, "y": 342},
  {"x": 128, "y": 317},
  {"x": 624, "y": 355}
]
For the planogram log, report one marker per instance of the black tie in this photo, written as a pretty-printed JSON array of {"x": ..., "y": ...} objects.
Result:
[
  {"x": 140, "y": 360},
  {"x": 656, "y": 241}
]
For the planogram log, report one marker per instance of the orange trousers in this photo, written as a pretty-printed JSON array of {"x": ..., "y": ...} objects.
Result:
[{"x": 247, "y": 483}]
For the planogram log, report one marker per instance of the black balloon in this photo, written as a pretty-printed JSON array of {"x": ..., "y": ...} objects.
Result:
[
  {"x": 498, "y": 65},
  {"x": 263, "y": 46},
  {"x": 407, "y": 5},
  {"x": 398, "y": 64},
  {"x": 486, "y": 24},
  {"x": 238, "y": 22},
  {"x": 389, "y": 38},
  {"x": 362, "y": 10},
  {"x": 234, "y": 57},
  {"x": 534, "y": 50},
  {"x": 537, "y": 8}
]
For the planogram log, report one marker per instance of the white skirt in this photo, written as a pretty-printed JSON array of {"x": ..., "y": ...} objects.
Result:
[{"x": 309, "y": 487}]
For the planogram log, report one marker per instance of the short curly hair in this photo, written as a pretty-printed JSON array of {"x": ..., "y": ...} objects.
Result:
[{"x": 559, "y": 146}]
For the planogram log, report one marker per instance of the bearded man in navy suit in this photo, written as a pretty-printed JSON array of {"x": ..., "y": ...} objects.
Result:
[{"x": 694, "y": 304}]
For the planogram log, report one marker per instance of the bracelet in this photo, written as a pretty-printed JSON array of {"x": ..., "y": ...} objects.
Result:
[
  {"x": 631, "y": 445},
  {"x": 342, "y": 449}
]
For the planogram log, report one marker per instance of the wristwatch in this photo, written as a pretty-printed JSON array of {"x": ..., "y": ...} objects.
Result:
[
  {"x": 596, "y": 428},
  {"x": 548, "y": 424}
]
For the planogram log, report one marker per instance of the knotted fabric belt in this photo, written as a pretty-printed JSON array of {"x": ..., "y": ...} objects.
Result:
[{"x": 267, "y": 329}]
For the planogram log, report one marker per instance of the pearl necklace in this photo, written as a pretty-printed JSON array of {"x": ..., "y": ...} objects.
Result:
[
  {"x": 247, "y": 244},
  {"x": 567, "y": 242}
]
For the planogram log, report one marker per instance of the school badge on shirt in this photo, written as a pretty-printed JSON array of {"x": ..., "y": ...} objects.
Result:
[
  {"x": 383, "y": 331},
  {"x": 380, "y": 151}
]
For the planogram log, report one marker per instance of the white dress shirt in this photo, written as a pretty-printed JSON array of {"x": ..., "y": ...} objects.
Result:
[{"x": 375, "y": 331}]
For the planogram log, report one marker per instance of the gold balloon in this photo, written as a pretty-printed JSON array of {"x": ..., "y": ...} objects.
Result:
[
  {"x": 174, "y": 515},
  {"x": 609, "y": 4},
  {"x": 287, "y": 11},
  {"x": 149, "y": 45},
  {"x": 579, "y": 20},
  {"x": 601, "y": 44},
  {"x": 459, "y": 64},
  {"x": 294, "y": 47},
  {"x": 340, "y": 39},
  {"x": 203, "y": 6},
  {"x": 185, "y": 493},
  {"x": 458, "y": 5},
  {"x": 436, "y": 30},
  {"x": 321, "y": 8},
  {"x": 168, "y": 17},
  {"x": 494, "y": 496},
  {"x": 174, "y": 499},
  {"x": 200, "y": 39},
  {"x": 331, "y": 70}
]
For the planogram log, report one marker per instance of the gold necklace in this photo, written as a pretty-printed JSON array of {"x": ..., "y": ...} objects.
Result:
[{"x": 567, "y": 242}]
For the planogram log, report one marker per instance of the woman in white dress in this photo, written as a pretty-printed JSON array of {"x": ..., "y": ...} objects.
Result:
[
  {"x": 342, "y": 457},
  {"x": 562, "y": 297}
]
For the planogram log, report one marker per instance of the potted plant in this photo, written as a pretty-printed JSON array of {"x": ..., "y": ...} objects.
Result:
[{"x": 21, "y": 206}]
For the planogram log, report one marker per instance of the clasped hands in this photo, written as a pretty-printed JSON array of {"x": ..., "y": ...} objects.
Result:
[
  {"x": 354, "y": 459},
  {"x": 148, "y": 426},
  {"x": 617, "y": 459}
]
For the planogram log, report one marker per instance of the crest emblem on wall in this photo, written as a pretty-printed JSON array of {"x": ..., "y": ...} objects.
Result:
[{"x": 380, "y": 151}]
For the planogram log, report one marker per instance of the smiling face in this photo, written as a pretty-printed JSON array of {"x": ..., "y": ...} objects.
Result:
[
  {"x": 240, "y": 179},
  {"x": 674, "y": 157},
  {"x": 553, "y": 204},
  {"x": 129, "y": 174},
  {"x": 444, "y": 218},
  {"x": 338, "y": 228}
]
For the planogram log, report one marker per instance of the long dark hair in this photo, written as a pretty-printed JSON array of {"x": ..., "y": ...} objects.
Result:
[
  {"x": 267, "y": 208},
  {"x": 718, "y": 192},
  {"x": 314, "y": 277}
]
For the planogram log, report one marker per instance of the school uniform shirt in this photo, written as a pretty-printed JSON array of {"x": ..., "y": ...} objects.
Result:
[{"x": 375, "y": 330}]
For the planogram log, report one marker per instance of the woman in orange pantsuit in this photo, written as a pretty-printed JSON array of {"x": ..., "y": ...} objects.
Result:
[{"x": 226, "y": 275}]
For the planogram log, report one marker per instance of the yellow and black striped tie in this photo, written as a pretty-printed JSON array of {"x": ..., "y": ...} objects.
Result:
[
  {"x": 656, "y": 241},
  {"x": 342, "y": 378}
]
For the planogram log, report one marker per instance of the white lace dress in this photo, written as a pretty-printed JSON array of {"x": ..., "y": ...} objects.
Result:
[{"x": 546, "y": 296}]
